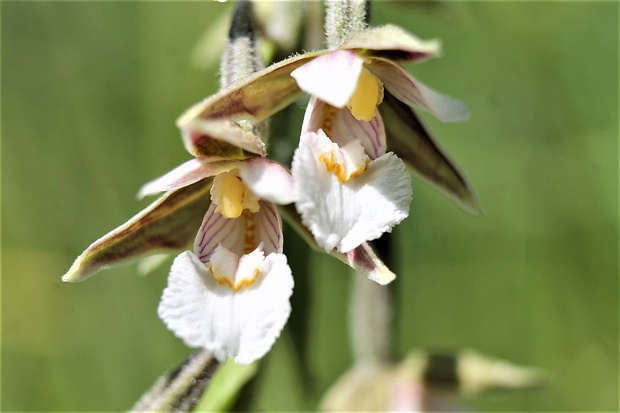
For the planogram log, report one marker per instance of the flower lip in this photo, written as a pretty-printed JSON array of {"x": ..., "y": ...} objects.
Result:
[
  {"x": 233, "y": 271},
  {"x": 243, "y": 324},
  {"x": 344, "y": 215}
]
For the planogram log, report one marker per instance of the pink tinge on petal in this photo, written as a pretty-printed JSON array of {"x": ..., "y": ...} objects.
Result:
[
  {"x": 331, "y": 77},
  {"x": 341, "y": 127},
  {"x": 185, "y": 174},
  {"x": 366, "y": 261},
  {"x": 269, "y": 228},
  {"x": 415, "y": 94},
  {"x": 240, "y": 235},
  {"x": 215, "y": 230},
  {"x": 370, "y": 134}
]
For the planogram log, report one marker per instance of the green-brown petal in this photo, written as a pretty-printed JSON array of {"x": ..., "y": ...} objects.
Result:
[
  {"x": 168, "y": 224},
  {"x": 408, "y": 138},
  {"x": 255, "y": 98}
]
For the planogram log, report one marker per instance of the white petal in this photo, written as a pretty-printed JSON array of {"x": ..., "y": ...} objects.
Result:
[
  {"x": 384, "y": 192},
  {"x": 331, "y": 77},
  {"x": 345, "y": 215},
  {"x": 240, "y": 324},
  {"x": 269, "y": 180},
  {"x": 185, "y": 174},
  {"x": 415, "y": 94},
  {"x": 342, "y": 128}
]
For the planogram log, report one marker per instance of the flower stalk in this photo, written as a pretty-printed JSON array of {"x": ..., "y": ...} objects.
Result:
[
  {"x": 180, "y": 389},
  {"x": 343, "y": 18}
]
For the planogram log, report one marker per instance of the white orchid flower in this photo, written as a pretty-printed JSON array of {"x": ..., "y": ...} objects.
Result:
[
  {"x": 345, "y": 197},
  {"x": 231, "y": 294},
  {"x": 365, "y": 78}
]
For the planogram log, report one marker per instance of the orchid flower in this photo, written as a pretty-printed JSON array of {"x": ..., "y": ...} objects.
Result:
[
  {"x": 231, "y": 294},
  {"x": 362, "y": 80},
  {"x": 345, "y": 197}
]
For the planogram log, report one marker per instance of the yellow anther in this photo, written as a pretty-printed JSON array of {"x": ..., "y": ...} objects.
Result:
[
  {"x": 232, "y": 196},
  {"x": 232, "y": 191},
  {"x": 339, "y": 170},
  {"x": 367, "y": 96}
]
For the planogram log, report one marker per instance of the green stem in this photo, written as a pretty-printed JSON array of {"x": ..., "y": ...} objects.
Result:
[{"x": 342, "y": 18}]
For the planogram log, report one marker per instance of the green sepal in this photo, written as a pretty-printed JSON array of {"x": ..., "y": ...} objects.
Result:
[
  {"x": 409, "y": 138},
  {"x": 168, "y": 224},
  {"x": 255, "y": 98}
]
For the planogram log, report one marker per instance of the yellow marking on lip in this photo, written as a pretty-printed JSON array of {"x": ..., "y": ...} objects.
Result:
[
  {"x": 249, "y": 239},
  {"x": 225, "y": 281},
  {"x": 338, "y": 170},
  {"x": 329, "y": 115}
]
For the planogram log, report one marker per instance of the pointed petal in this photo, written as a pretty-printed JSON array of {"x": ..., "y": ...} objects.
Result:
[
  {"x": 240, "y": 324},
  {"x": 415, "y": 94},
  {"x": 185, "y": 174},
  {"x": 411, "y": 141},
  {"x": 255, "y": 98},
  {"x": 478, "y": 373},
  {"x": 366, "y": 261},
  {"x": 363, "y": 259},
  {"x": 392, "y": 43},
  {"x": 168, "y": 224},
  {"x": 331, "y": 77},
  {"x": 341, "y": 127},
  {"x": 220, "y": 139},
  {"x": 344, "y": 215},
  {"x": 269, "y": 180}
]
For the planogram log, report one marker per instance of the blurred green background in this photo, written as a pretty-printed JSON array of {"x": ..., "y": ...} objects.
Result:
[{"x": 90, "y": 93}]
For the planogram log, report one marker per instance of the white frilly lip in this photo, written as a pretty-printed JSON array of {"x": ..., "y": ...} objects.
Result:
[
  {"x": 243, "y": 324},
  {"x": 344, "y": 215}
]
